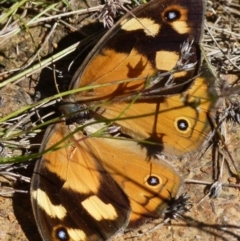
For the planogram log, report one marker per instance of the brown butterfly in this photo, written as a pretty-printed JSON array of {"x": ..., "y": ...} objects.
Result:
[{"x": 91, "y": 187}]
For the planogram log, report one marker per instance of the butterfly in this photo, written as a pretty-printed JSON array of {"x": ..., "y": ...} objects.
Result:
[{"x": 145, "y": 80}]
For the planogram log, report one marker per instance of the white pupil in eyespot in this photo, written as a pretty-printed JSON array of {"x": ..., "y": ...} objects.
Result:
[
  {"x": 182, "y": 125},
  {"x": 62, "y": 234},
  {"x": 172, "y": 15},
  {"x": 153, "y": 181}
]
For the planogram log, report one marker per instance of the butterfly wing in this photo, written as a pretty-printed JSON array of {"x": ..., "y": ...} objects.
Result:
[
  {"x": 139, "y": 46},
  {"x": 148, "y": 183},
  {"x": 73, "y": 197},
  {"x": 178, "y": 124}
]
